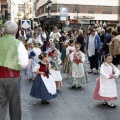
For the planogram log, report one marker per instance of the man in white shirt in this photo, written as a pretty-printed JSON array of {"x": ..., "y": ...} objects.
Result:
[
  {"x": 42, "y": 37},
  {"x": 13, "y": 57},
  {"x": 55, "y": 36}
]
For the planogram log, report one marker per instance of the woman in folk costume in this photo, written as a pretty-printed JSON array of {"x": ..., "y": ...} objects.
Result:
[
  {"x": 67, "y": 63},
  {"x": 55, "y": 70},
  {"x": 43, "y": 87},
  {"x": 106, "y": 86},
  {"x": 33, "y": 60},
  {"x": 65, "y": 45},
  {"x": 78, "y": 75},
  {"x": 52, "y": 47}
]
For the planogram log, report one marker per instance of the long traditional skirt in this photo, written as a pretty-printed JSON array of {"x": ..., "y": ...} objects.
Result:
[
  {"x": 77, "y": 76},
  {"x": 40, "y": 91},
  {"x": 63, "y": 54},
  {"x": 96, "y": 95},
  {"x": 66, "y": 66}
]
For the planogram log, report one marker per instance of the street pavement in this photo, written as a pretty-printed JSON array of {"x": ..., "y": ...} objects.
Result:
[{"x": 70, "y": 104}]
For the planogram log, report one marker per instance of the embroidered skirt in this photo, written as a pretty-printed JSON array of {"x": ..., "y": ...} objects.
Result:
[{"x": 78, "y": 75}]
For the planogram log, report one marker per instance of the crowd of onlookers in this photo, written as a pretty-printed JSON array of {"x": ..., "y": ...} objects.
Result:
[{"x": 106, "y": 40}]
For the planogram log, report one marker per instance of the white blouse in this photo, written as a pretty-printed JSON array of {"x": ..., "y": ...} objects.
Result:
[
  {"x": 22, "y": 56},
  {"x": 69, "y": 48},
  {"x": 106, "y": 70}
]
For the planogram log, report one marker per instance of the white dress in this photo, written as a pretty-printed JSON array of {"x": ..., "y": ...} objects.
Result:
[{"x": 108, "y": 86}]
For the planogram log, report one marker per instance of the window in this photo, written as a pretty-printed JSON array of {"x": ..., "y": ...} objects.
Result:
[
  {"x": 54, "y": 8},
  {"x": 76, "y": 8},
  {"x": 91, "y": 9},
  {"x": 106, "y": 10},
  {"x": 59, "y": 6}
]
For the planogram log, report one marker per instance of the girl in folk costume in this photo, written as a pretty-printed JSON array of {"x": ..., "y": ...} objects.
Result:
[
  {"x": 67, "y": 63},
  {"x": 106, "y": 86},
  {"x": 33, "y": 60},
  {"x": 78, "y": 75},
  {"x": 65, "y": 45},
  {"x": 52, "y": 47},
  {"x": 43, "y": 87},
  {"x": 55, "y": 70}
]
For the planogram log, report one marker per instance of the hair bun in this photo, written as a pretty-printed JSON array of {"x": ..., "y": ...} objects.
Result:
[{"x": 42, "y": 55}]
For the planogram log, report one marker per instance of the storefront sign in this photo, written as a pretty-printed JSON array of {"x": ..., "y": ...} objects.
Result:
[
  {"x": 84, "y": 17},
  {"x": 63, "y": 13}
]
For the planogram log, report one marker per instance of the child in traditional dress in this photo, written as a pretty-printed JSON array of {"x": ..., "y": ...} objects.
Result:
[
  {"x": 52, "y": 47},
  {"x": 43, "y": 87},
  {"x": 33, "y": 60},
  {"x": 65, "y": 45},
  {"x": 67, "y": 63},
  {"x": 78, "y": 74},
  {"x": 55, "y": 70},
  {"x": 106, "y": 86}
]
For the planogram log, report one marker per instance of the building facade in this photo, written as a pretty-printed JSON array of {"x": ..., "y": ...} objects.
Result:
[
  {"x": 29, "y": 9},
  {"x": 3, "y": 9},
  {"x": 89, "y": 12}
]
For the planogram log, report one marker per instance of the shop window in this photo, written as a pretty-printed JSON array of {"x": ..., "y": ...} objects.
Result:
[{"x": 107, "y": 10}]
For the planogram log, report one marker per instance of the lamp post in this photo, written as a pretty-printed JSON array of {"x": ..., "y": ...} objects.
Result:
[
  {"x": 76, "y": 10},
  {"x": 48, "y": 6}
]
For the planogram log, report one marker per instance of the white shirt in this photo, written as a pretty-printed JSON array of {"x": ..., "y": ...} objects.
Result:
[
  {"x": 67, "y": 41},
  {"x": 69, "y": 48},
  {"x": 43, "y": 35},
  {"x": 20, "y": 34},
  {"x": 36, "y": 41},
  {"x": 55, "y": 35},
  {"x": 91, "y": 45},
  {"x": 22, "y": 56}
]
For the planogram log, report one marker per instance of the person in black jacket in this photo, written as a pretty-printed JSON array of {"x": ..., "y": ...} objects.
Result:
[
  {"x": 80, "y": 40},
  {"x": 107, "y": 40}
]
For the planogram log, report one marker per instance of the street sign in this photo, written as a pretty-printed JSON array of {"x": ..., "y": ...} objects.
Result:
[
  {"x": 26, "y": 24},
  {"x": 63, "y": 13}
]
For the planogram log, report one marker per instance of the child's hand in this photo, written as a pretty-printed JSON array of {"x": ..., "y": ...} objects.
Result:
[
  {"x": 114, "y": 76},
  {"x": 110, "y": 77},
  {"x": 42, "y": 73}
]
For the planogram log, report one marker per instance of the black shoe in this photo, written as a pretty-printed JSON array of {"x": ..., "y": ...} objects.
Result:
[
  {"x": 47, "y": 102},
  {"x": 79, "y": 87},
  {"x": 43, "y": 102},
  {"x": 73, "y": 86},
  {"x": 104, "y": 103},
  {"x": 111, "y": 105},
  {"x": 95, "y": 73}
]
